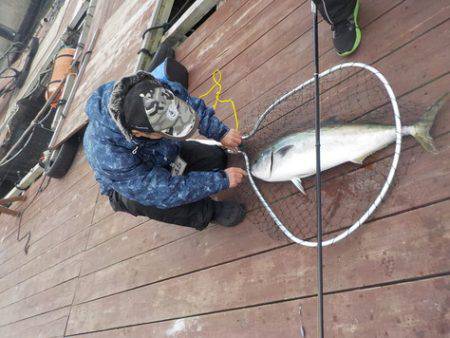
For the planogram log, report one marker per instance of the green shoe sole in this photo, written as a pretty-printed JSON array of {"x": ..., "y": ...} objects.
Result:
[{"x": 358, "y": 32}]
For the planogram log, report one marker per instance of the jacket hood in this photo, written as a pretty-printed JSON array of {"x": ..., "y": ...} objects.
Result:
[{"x": 117, "y": 99}]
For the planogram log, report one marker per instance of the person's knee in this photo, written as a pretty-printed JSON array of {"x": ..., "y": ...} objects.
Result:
[{"x": 219, "y": 158}]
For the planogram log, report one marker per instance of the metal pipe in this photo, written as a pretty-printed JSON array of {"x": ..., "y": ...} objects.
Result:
[
  {"x": 84, "y": 33},
  {"x": 151, "y": 40},
  {"x": 320, "y": 326},
  {"x": 25, "y": 25},
  {"x": 72, "y": 92},
  {"x": 69, "y": 82},
  {"x": 7, "y": 32},
  {"x": 26, "y": 181}
]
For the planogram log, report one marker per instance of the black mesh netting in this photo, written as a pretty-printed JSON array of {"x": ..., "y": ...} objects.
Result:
[{"x": 348, "y": 95}]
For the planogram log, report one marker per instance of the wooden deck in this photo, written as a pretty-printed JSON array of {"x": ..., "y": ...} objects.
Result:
[{"x": 91, "y": 272}]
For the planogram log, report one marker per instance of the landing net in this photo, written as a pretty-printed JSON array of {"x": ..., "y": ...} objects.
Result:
[{"x": 350, "y": 92}]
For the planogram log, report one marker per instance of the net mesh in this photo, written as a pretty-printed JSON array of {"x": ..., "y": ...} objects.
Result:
[{"x": 348, "y": 95}]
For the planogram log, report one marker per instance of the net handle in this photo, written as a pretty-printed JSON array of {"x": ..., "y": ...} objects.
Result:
[{"x": 390, "y": 177}]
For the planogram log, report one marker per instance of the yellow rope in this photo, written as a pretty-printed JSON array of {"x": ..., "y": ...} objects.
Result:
[{"x": 218, "y": 84}]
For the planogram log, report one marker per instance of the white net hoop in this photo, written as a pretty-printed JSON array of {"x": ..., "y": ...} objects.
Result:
[{"x": 379, "y": 198}]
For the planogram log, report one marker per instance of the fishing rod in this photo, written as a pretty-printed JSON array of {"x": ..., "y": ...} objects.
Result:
[{"x": 320, "y": 328}]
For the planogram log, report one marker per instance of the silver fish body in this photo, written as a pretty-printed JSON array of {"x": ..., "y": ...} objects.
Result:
[{"x": 293, "y": 157}]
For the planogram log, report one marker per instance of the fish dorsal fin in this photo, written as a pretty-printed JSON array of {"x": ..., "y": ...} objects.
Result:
[
  {"x": 330, "y": 122},
  {"x": 283, "y": 150},
  {"x": 359, "y": 160},
  {"x": 298, "y": 183}
]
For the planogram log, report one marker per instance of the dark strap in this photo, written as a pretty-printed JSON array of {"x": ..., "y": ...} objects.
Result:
[
  {"x": 165, "y": 26},
  {"x": 145, "y": 51}
]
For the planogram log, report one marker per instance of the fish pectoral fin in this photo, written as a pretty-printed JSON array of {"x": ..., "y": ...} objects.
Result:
[
  {"x": 359, "y": 160},
  {"x": 298, "y": 183}
]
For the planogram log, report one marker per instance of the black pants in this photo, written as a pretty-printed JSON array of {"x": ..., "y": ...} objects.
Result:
[
  {"x": 335, "y": 11},
  {"x": 199, "y": 157}
]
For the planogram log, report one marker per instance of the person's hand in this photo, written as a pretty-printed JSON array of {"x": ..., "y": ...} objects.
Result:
[
  {"x": 232, "y": 139},
  {"x": 235, "y": 176}
]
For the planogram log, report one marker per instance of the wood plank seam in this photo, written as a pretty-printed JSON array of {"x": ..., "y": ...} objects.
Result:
[
  {"x": 409, "y": 209},
  {"x": 44, "y": 236},
  {"x": 212, "y": 31},
  {"x": 37, "y": 293},
  {"x": 331, "y": 50},
  {"x": 152, "y": 249},
  {"x": 368, "y": 287},
  {"x": 81, "y": 265},
  {"x": 41, "y": 209},
  {"x": 437, "y": 78},
  {"x": 61, "y": 192},
  {"x": 49, "y": 267},
  {"x": 51, "y": 247},
  {"x": 254, "y": 42},
  {"x": 33, "y": 316},
  {"x": 38, "y": 257},
  {"x": 367, "y": 24},
  {"x": 327, "y": 233},
  {"x": 118, "y": 234},
  {"x": 308, "y": 188},
  {"x": 36, "y": 316},
  {"x": 238, "y": 258}
]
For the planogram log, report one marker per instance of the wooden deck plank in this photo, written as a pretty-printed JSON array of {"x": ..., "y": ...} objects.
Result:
[
  {"x": 218, "y": 245},
  {"x": 414, "y": 309},
  {"x": 236, "y": 243},
  {"x": 119, "y": 40},
  {"x": 112, "y": 226},
  {"x": 55, "y": 298},
  {"x": 45, "y": 200},
  {"x": 67, "y": 207},
  {"x": 190, "y": 276},
  {"x": 282, "y": 62},
  {"x": 261, "y": 35},
  {"x": 63, "y": 251},
  {"x": 69, "y": 196},
  {"x": 420, "y": 99},
  {"x": 217, "y": 20},
  {"x": 45, "y": 280},
  {"x": 276, "y": 76},
  {"x": 50, "y": 324},
  {"x": 58, "y": 187},
  {"x": 102, "y": 209},
  {"x": 423, "y": 179},
  {"x": 216, "y": 42},
  {"x": 283, "y": 274},
  {"x": 39, "y": 201},
  {"x": 142, "y": 238},
  {"x": 62, "y": 233},
  {"x": 402, "y": 81}
]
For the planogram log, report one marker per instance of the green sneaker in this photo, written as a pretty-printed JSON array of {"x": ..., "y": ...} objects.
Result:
[{"x": 346, "y": 34}]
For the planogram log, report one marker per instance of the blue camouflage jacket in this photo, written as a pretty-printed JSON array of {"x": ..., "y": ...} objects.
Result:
[{"x": 140, "y": 169}]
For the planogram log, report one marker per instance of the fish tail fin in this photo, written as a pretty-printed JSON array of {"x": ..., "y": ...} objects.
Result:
[{"x": 421, "y": 130}]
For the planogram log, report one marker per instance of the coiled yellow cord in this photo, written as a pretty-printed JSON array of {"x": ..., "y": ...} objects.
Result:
[{"x": 217, "y": 79}]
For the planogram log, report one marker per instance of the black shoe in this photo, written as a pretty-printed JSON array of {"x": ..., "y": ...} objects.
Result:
[
  {"x": 228, "y": 214},
  {"x": 346, "y": 34}
]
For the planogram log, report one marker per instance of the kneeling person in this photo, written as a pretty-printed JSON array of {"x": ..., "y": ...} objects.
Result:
[{"x": 135, "y": 143}]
